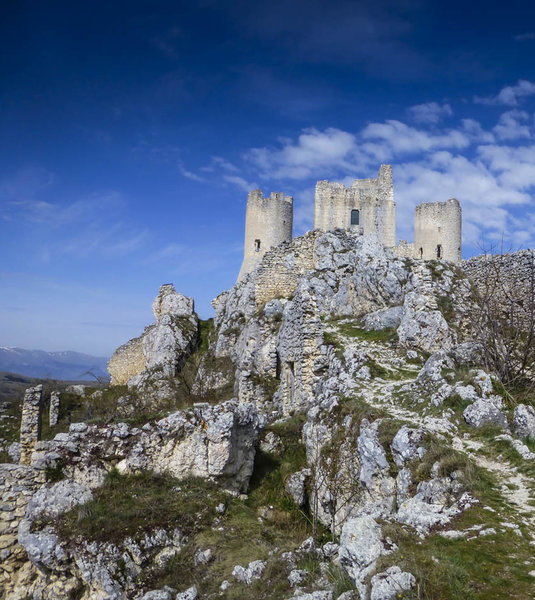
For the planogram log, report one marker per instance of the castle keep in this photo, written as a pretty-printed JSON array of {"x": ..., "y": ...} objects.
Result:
[{"x": 366, "y": 207}]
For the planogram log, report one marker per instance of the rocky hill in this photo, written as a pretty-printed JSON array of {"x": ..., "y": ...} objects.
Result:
[{"x": 338, "y": 431}]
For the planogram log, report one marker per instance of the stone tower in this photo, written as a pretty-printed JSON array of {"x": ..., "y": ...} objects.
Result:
[
  {"x": 366, "y": 207},
  {"x": 268, "y": 223},
  {"x": 437, "y": 230}
]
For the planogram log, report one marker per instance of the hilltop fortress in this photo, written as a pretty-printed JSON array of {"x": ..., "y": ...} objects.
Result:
[{"x": 366, "y": 207}]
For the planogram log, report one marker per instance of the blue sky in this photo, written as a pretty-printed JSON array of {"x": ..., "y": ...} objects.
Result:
[{"x": 132, "y": 131}]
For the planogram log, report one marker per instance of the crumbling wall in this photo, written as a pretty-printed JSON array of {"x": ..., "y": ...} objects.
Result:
[
  {"x": 18, "y": 483},
  {"x": 506, "y": 275},
  {"x": 280, "y": 270}
]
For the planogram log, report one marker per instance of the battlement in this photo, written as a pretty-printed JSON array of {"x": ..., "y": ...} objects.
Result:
[{"x": 258, "y": 196}]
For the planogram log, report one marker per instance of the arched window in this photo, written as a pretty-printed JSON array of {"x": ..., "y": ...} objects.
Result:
[
  {"x": 355, "y": 215},
  {"x": 257, "y": 245},
  {"x": 439, "y": 251},
  {"x": 421, "y": 252}
]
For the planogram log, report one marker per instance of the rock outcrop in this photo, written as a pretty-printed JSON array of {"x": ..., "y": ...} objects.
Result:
[{"x": 163, "y": 347}]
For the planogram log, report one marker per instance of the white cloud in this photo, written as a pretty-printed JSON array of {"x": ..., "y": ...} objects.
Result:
[
  {"x": 396, "y": 138},
  {"x": 490, "y": 172},
  {"x": 188, "y": 174},
  {"x": 510, "y": 127},
  {"x": 314, "y": 152},
  {"x": 510, "y": 95},
  {"x": 240, "y": 182},
  {"x": 430, "y": 112}
]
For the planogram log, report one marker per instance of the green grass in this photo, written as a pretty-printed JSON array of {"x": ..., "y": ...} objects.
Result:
[
  {"x": 128, "y": 505},
  {"x": 242, "y": 537}
]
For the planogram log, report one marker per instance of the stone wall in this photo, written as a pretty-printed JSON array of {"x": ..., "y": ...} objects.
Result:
[
  {"x": 404, "y": 249},
  {"x": 268, "y": 223},
  {"x": 30, "y": 424},
  {"x": 18, "y": 483},
  {"x": 372, "y": 198},
  {"x": 437, "y": 230},
  {"x": 280, "y": 270},
  {"x": 503, "y": 275},
  {"x": 126, "y": 361}
]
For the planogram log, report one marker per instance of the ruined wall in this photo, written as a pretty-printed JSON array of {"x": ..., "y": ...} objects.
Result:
[
  {"x": 514, "y": 272},
  {"x": 30, "y": 423},
  {"x": 128, "y": 360},
  {"x": 268, "y": 223},
  {"x": 18, "y": 483},
  {"x": 280, "y": 270},
  {"x": 437, "y": 230},
  {"x": 373, "y": 198},
  {"x": 404, "y": 249}
]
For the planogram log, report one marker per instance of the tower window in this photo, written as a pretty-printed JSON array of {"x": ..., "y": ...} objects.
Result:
[
  {"x": 355, "y": 217},
  {"x": 439, "y": 251},
  {"x": 421, "y": 252},
  {"x": 257, "y": 245}
]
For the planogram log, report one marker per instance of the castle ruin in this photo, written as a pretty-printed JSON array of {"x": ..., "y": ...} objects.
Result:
[{"x": 366, "y": 207}]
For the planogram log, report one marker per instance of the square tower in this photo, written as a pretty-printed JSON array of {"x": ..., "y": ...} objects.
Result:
[{"x": 366, "y": 207}]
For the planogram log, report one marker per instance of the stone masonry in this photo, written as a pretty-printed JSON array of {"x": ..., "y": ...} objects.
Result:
[
  {"x": 53, "y": 414},
  {"x": 366, "y": 207},
  {"x": 279, "y": 272},
  {"x": 30, "y": 426},
  {"x": 268, "y": 223}
]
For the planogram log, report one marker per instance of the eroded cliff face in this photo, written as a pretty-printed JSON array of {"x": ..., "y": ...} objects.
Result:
[
  {"x": 163, "y": 348},
  {"x": 284, "y": 341},
  {"x": 359, "y": 400}
]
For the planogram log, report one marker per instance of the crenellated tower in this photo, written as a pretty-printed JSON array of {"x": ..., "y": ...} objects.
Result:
[{"x": 268, "y": 223}]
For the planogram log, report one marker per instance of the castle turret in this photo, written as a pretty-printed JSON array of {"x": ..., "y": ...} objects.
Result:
[
  {"x": 437, "y": 230},
  {"x": 268, "y": 223}
]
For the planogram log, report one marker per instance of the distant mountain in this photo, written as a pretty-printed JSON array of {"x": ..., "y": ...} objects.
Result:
[{"x": 53, "y": 365}]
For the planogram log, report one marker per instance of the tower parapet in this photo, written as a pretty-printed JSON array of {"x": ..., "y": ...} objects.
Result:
[
  {"x": 268, "y": 223},
  {"x": 437, "y": 230},
  {"x": 366, "y": 207}
]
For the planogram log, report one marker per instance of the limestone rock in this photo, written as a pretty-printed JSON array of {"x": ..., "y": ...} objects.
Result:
[
  {"x": 407, "y": 444},
  {"x": 524, "y": 421},
  {"x": 170, "y": 302},
  {"x": 297, "y": 577},
  {"x": 253, "y": 571},
  {"x": 317, "y": 595},
  {"x": 190, "y": 594},
  {"x": 483, "y": 412},
  {"x": 163, "y": 347},
  {"x": 360, "y": 546},
  {"x": 390, "y": 584},
  {"x": 422, "y": 328},
  {"x": 384, "y": 319},
  {"x": 296, "y": 486}
]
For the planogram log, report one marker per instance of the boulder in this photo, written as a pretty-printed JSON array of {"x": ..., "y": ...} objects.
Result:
[
  {"x": 390, "y": 584},
  {"x": 360, "y": 546},
  {"x": 524, "y": 421},
  {"x": 484, "y": 412}
]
